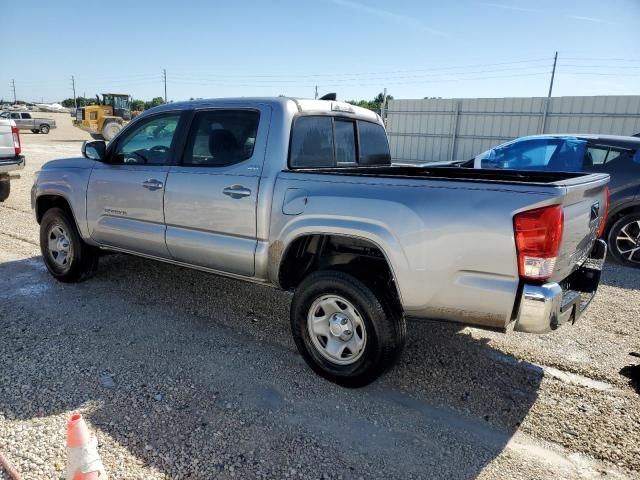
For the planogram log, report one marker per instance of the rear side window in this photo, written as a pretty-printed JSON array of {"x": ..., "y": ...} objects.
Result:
[
  {"x": 26, "y": 116},
  {"x": 595, "y": 156},
  {"x": 374, "y": 147},
  {"x": 318, "y": 142},
  {"x": 220, "y": 138},
  {"x": 312, "y": 142},
  {"x": 345, "y": 135}
]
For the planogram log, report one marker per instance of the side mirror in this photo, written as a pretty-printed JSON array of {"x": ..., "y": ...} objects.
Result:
[{"x": 94, "y": 150}]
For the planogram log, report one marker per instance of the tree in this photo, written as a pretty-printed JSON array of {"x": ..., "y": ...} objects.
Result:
[
  {"x": 82, "y": 102},
  {"x": 375, "y": 104},
  {"x": 156, "y": 101},
  {"x": 137, "y": 105}
]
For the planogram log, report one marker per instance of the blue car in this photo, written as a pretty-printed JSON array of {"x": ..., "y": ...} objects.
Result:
[{"x": 618, "y": 156}]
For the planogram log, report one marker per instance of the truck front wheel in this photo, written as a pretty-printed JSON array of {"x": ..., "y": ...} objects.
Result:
[
  {"x": 110, "y": 130},
  {"x": 5, "y": 187},
  {"x": 624, "y": 240},
  {"x": 66, "y": 256},
  {"x": 343, "y": 330}
]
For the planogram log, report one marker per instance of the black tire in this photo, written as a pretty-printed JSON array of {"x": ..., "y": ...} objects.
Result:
[
  {"x": 110, "y": 130},
  {"x": 385, "y": 328},
  {"x": 44, "y": 129},
  {"x": 5, "y": 187},
  {"x": 625, "y": 227},
  {"x": 97, "y": 136},
  {"x": 83, "y": 259},
  {"x": 35, "y": 130}
]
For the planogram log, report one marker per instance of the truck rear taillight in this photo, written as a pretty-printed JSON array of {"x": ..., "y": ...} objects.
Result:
[
  {"x": 606, "y": 212},
  {"x": 16, "y": 141},
  {"x": 538, "y": 235}
]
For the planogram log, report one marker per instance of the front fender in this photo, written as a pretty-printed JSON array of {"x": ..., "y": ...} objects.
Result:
[{"x": 69, "y": 183}]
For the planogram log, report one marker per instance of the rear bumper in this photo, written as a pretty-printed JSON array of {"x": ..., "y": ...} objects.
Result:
[
  {"x": 12, "y": 164},
  {"x": 544, "y": 308}
]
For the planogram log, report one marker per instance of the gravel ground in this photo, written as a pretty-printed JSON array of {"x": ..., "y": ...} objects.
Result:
[{"x": 186, "y": 375}]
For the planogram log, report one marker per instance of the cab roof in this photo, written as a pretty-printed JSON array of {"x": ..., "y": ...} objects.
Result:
[
  {"x": 611, "y": 140},
  {"x": 303, "y": 105}
]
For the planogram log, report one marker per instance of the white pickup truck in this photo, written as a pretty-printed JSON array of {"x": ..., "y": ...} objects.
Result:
[{"x": 10, "y": 155}]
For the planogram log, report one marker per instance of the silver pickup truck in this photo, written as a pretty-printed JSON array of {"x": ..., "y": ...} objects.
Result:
[
  {"x": 26, "y": 121},
  {"x": 300, "y": 195}
]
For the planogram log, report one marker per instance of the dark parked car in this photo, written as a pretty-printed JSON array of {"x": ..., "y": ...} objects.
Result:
[{"x": 616, "y": 155}]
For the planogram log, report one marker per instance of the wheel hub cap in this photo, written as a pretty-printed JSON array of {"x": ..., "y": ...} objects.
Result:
[
  {"x": 60, "y": 248},
  {"x": 340, "y": 326},
  {"x": 336, "y": 329}
]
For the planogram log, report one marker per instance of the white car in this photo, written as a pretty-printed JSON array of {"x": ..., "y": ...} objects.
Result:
[{"x": 11, "y": 159}]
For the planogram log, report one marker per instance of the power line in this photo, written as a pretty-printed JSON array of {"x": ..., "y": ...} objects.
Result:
[
  {"x": 347, "y": 80},
  {"x": 608, "y": 59},
  {"x": 457, "y": 67}
]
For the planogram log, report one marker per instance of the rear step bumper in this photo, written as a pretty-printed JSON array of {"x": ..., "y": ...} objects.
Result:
[{"x": 544, "y": 308}]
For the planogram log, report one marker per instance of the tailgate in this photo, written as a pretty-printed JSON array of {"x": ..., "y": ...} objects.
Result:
[
  {"x": 584, "y": 206},
  {"x": 6, "y": 139}
]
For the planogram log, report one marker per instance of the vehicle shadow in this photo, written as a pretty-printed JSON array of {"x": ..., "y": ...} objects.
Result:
[
  {"x": 193, "y": 373},
  {"x": 632, "y": 372}
]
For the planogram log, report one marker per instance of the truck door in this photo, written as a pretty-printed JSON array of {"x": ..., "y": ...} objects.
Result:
[
  {"x": 125, "y": 192},
  {"x": 16, "y": 118},
  {"x": 211, "y": 196}
]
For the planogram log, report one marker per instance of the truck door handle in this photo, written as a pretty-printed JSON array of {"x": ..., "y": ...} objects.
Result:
[
  {"x": 237, "y": 191},
  {"x": 152, "y": 184}
]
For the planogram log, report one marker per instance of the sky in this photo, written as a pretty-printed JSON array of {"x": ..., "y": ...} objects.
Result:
[{"x": 356, "y": 48}]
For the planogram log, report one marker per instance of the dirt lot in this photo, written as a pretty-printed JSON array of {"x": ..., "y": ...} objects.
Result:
[{"x": 186, "y": 375}]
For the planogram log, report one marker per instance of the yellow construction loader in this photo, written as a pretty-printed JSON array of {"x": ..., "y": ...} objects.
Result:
[{"x": 107, "y": 118}]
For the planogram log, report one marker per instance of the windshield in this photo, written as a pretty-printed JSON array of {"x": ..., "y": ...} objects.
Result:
[
  {"x": 121, "y": 102},
  {"x": 551, "y": 154},
  {"x": 4, "y": 115}
]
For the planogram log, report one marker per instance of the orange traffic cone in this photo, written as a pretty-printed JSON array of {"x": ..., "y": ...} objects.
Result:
[{"x": 83, "y": 461}]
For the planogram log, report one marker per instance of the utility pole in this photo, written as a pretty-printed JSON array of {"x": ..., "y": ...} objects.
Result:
[
  {"x": 547, "y": 104},
  {"x": 553, "y": 74},
  {"x": 13, "y": 85},
  {"x": 164, "y": 76},
  {"x": 73, "y": 85},
  {"x": 384, "y": 103},
  {"x": 316, "y": 97}
]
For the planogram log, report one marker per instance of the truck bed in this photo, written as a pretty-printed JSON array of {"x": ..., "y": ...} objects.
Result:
[{"x": 453, "y": 173}]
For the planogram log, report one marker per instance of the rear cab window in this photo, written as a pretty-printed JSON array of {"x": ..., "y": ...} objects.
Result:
[{"x": 332, "y": 141}]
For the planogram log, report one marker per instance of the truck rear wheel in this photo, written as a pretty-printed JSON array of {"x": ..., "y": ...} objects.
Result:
[
  {"x": 67, "y": 257},
  {"x": 44, "y": 129},
  {"x": 343, "y": 330},
  {"x": 5, "y": 187},
  {"x": 110, "y": 130}
]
